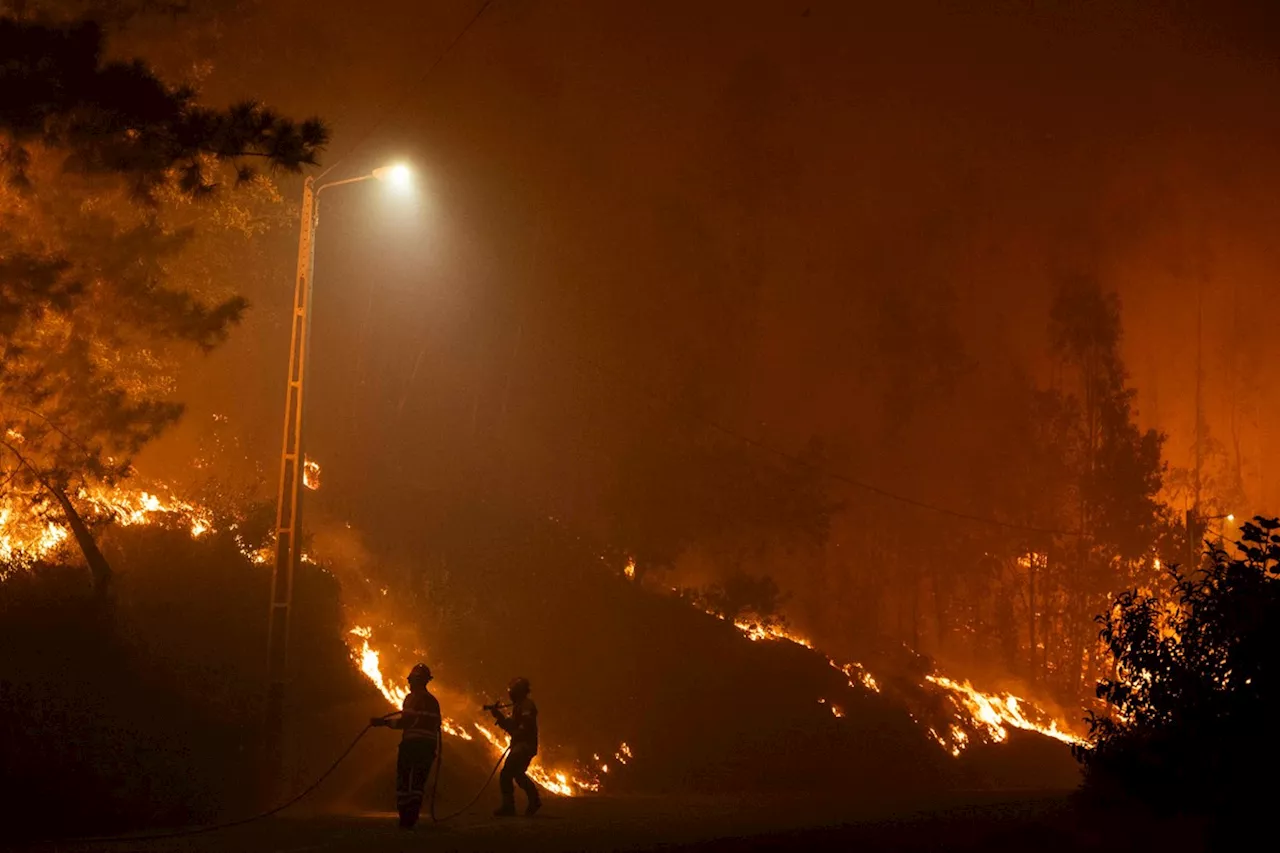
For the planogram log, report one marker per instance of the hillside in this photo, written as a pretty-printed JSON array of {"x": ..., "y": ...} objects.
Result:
[
  {"x": 640, "y": 691},
  {"x": 703, "y": 705}
]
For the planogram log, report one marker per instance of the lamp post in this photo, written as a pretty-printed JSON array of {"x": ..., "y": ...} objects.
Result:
[{"x": 288, "y": 527}]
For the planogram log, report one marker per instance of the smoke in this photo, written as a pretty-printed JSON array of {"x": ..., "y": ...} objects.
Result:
[{"x": 798, "y": 219}]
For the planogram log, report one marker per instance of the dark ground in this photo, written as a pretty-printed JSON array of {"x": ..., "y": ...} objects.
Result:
[{"x": 965, "y": 821}]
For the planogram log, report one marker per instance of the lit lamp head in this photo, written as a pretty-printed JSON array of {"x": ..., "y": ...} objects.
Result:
[{"x": 398, "y": 177}]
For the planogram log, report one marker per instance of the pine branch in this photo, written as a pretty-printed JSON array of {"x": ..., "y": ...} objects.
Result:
[{"x": 120, "y": 118}]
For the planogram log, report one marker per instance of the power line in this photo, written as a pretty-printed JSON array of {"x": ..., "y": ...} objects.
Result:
[{"x": 410, "y": 89}]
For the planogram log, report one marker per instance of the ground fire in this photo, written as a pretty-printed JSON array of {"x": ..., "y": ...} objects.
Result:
[
  {"x": 561, "y": 781},
  {"x": 31, "y": 530},
  {"x": 984, "y": 716},
  {"x": 987, "y": 715},
  {"x": 30, "y": 535}
]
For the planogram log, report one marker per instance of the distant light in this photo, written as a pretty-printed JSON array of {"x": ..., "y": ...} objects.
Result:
[
  {"x": 398, "y": 176},
  {"x": 1231, "y": 518}
]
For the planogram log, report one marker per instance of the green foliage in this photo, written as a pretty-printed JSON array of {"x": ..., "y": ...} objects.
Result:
[{"x": 1193, "y": 700}]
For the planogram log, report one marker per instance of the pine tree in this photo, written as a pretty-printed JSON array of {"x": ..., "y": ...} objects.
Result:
[{"x": 105, "y": 250}]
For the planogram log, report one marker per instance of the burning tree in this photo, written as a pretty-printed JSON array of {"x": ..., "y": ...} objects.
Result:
[
  {"x": 1192, "y": 699},
  {"x": 109, "y": 267}
]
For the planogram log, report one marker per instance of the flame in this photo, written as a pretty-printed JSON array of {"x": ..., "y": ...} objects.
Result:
[
  {"x": 368, "y": 661},
  {"x": 557, "y": 781},
  {"x": 986, "y": 714},
  {"x": 311, "y": 474},
  {"x": 24, "y": 543},
  {"x": 757, "y": 631},
  {"x": 28, "y": 535},
  {"x": 133, "y": 508},
  {"x": 452, "y": 728},
  {"x": 995, "y": 713}
]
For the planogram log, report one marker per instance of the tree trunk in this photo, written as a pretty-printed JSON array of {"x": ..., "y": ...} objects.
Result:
[
  {"x": 99, "y": 568},
  {"x": 915, "y": 614},
  {"x": 939, "y": 610},
  {"x": 1033, "y": 661}
]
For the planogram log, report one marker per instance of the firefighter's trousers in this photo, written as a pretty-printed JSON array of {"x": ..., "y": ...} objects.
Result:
[{"x": 413, "y": 765}]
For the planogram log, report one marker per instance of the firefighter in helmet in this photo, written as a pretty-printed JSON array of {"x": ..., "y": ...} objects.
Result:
[
  {"x": 419, "y": 721},
  {"x": 522, "y": 725}
]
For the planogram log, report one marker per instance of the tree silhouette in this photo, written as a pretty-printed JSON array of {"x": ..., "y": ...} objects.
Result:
[
  {"x": 107, "y": 273},
  {"x": 1117, "y": 467},
  {"x": 677, "y": 492},
  {"x": 120, "y": 118},
  {"x": 1193, "y": 699}
]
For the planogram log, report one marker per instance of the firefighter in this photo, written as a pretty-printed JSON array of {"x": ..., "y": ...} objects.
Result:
[
  {"x": 522, "y": 725},
  {"x": 420, "y": 722}
]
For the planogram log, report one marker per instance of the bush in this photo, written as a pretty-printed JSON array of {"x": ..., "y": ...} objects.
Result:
[{"x": 1193, "y": 700}]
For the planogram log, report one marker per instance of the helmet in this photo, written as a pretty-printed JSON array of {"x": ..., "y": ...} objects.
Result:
[
  {"x": 421, "y": 673},
  {"x": 518, "y": 685}
]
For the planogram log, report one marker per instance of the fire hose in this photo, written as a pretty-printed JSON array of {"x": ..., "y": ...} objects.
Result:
[
  {"x": 474, "y": 800},
  {"x": 197, "y": 830}
]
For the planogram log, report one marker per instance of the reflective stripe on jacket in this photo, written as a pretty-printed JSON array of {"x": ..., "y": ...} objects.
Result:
[{"x": 420, "y": 716}]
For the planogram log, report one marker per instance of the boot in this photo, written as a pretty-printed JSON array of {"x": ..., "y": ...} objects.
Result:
[
  {"x": 535, "y": 803},
  {"x": 507, "y": 809}
]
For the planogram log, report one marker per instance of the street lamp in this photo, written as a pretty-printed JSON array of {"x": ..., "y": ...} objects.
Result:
[
  {"x": 398, "y": 176},
  {"x": 292, "y": 461}
]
